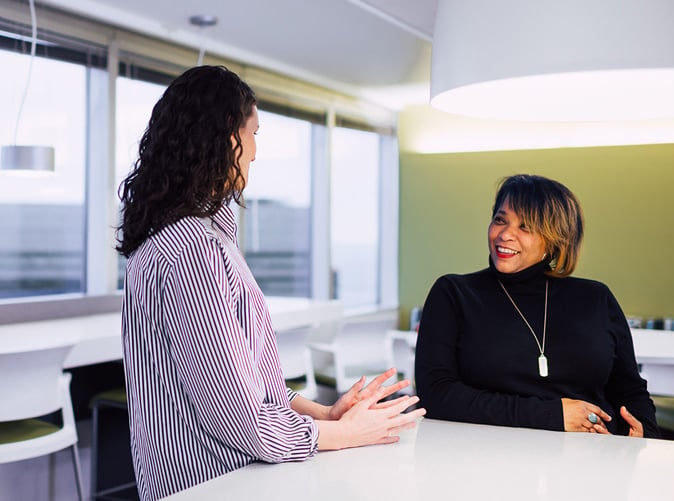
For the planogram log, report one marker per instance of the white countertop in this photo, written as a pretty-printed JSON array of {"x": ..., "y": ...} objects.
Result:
[
  {"x": 97, "y": 338},
  {"x": 654, "y": 350},
  {"x": 653, "y": 346},
  {"x": 447, "y": 460}
]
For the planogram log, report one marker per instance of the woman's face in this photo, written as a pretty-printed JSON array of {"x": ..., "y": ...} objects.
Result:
[
  {"x": 247, "y": 134},
  {"x": 512, "y": 246}
]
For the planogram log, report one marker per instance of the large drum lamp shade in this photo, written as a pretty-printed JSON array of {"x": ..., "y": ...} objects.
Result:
[{"x": 568, "y": 60}]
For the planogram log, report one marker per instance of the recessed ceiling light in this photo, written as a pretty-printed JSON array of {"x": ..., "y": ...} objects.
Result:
[{"x": 203, "y": 20}]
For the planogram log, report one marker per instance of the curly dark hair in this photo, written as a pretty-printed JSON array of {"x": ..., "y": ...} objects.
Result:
[{"x": 187, "y": 163}]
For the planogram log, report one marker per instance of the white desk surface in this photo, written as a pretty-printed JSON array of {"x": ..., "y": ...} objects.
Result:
[
  {"x": 653, "y": 346},
  {"x": 654, "y": 350},
  {"x": 446, "y": 460},
  {"x": 97, "y": 338}
]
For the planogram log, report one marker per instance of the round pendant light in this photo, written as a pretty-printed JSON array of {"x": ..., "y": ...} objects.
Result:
[{"x": 544, "y": 60}]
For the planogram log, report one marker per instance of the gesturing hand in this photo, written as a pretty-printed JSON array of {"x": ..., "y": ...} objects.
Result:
[
  {"x": 372, "y": 422},
  {"x": 357, "y": 393},
  {"x": 636, "y": 428},
  {"x": 360, "y": 417}
]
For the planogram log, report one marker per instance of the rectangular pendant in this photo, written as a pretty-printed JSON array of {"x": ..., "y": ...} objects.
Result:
[{"x": 543, "y": 366}]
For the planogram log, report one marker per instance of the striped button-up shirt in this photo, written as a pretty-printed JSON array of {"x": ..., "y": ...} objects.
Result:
[{"x": 204, "y": 384}]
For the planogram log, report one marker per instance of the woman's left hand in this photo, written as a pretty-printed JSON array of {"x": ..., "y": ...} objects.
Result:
[
  {"x": 357, "y": 393},
  {"x": 636, "y": 428},
  {"x": 577, "y": 414}
]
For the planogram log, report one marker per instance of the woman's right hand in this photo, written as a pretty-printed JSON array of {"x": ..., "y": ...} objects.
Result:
[
  {"x": 358, "y": 392},
  {"x": 576, "y": 416},
  {"x": 368, "y": 422}
]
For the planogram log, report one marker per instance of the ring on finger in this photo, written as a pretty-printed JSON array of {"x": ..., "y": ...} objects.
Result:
[{"x": 592, "y": 418}]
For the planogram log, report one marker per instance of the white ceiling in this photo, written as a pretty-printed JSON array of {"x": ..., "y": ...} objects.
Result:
[
  {"x": 376, "y": 49},
  {"x": 379, "y": 49}
]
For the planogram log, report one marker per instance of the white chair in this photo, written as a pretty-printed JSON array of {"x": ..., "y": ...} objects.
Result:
[
  {"x": 298, "y": 371},
  {"x": 33, "y": 384},
  {"x": 348, "y": 350},
  {"x": 293, "y": 347},
  {"x": 400, "y": 349}
]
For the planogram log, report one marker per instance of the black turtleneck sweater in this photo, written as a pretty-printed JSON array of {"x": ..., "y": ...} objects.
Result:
[{"x": 477, "y": 361}]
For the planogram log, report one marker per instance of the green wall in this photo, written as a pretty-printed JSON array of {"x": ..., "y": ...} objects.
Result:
[{"x": 627, "y": 195}]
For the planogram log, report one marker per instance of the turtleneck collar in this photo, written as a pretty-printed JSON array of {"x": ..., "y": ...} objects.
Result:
[{"x": 532, "y": 274}]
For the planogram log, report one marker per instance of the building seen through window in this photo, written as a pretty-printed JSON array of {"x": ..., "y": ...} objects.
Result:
[
  {"x": 354, "y": 196},
  {"x": 276, "y": 221},
  {"x": 42, "y": 214}
]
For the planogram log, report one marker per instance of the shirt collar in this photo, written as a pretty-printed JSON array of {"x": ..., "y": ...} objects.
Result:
[{"x": 226, "y": 220}]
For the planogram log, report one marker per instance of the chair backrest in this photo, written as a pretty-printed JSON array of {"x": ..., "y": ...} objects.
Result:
[
  {"x": 326, "y": 332},
  {"x": 296, "y": 362},
  {"x": 292, "y": 345},
  {"x": 364, "y": 339},
  {"x": 30, "y": 382},
  {"x": 327, "y": 328}
]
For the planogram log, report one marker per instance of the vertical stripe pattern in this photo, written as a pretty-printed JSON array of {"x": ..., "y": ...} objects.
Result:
[{"x": 204, "y": 383}]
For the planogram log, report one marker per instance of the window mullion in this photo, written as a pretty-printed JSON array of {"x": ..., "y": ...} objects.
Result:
[{"x": 101, "y": 210}]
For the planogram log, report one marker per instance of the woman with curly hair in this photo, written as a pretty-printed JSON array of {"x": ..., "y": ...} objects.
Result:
[{"x": 205, "y": 390}]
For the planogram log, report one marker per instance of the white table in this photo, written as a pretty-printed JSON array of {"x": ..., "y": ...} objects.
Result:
[
  {"x": 97, "y": 338},
  {"x": 654, "y": 350},
  {"x": 446, "y": 460}
]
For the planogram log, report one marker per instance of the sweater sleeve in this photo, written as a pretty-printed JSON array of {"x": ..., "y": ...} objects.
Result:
[
  {"x": 625, "y": 386},
  {"x": 442, "y": 390}
]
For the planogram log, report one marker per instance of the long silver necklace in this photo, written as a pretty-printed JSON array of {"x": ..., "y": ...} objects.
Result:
[{"x": 542, "y": 360}]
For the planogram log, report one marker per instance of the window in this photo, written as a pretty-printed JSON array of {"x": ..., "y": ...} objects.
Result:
[
  {"x": 135, "y": 100},
  {"x": 42, "y": 217},
  {"x": 354, "y": 222},
  {"x": 277, "y": 219},
  {"x": 321, "y": 205}
]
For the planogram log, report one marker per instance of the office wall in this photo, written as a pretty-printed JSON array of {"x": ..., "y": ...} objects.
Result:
[{"x": 627, "y": 194}]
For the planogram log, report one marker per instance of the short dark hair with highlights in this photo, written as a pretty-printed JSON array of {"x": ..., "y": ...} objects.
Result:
[
  {"x": 550, "y": 209},
  {"x": 188, "y": 163}
]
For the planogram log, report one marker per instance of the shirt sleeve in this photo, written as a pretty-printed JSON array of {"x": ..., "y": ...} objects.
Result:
[
  {"x": 291, "y": 394},
  {"x": 444, "y": 394},
  {"x": 626, "y": 386},
  {"x": 216, "y": 363}
]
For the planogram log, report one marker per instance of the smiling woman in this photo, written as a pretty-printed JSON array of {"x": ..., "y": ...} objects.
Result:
[{"x": 521, "y": 343}]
